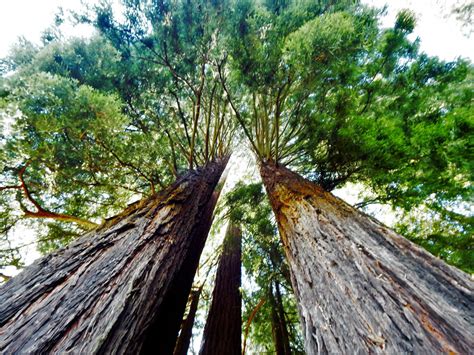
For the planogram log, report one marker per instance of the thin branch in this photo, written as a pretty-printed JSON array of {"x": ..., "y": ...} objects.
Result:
[
  {"x": 182, "y": 116},
  {"x": 41, "y": 212},
  {"x": 249, "y": 321},
  {"x": 10, "y": 187},
  {"x": 237, "y": 113}
]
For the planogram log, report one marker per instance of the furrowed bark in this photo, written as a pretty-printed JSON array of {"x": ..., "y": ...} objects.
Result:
[
  {"x": 120, "y": 289},
  {"x": 184, "y": 339},
  {"x": 222, "y": 333},
  {"x": 362, "y": 288}
]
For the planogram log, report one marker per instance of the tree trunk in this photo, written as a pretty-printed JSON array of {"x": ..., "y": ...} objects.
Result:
[
  {"x": 222, "y": 333},
  {"x": 184, "y": 339},
  {"x": 362, "y": 288},
  {"x": 119, "y": 289},
  {"x": 281, "y": 338}
]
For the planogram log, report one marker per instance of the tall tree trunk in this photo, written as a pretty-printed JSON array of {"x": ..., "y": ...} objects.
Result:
[
  {"x": 361, "y": 287},
  {"x": 120, "y": 289},
  {"x": 222, "y": 333},
  {"x": 280, "y": 334},
  {"x": 184, "y": 339}
]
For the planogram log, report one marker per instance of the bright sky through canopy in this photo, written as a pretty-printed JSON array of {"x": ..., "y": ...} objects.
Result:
[{"x": 439, "y": 35}]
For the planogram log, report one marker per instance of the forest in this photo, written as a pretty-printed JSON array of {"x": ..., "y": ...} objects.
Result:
[{"x": 178, "y": 172}]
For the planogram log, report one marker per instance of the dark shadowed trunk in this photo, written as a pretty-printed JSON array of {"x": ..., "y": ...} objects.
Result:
[
  {"x": 222, "y": 333},
  {"x": 281, "y": 338},
  {"x": 184, "y": 339},
  {"x": 361, "y": 287},
  {"x": 120, "y": 289}
]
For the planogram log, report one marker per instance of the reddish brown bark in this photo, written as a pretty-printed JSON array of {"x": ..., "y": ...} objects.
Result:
[
  {"x": 222, "y": 333},
  {"x": 120, "y": 289},
  {"x": 362, "y": 288},
  {"x": 184, "y": 339}
]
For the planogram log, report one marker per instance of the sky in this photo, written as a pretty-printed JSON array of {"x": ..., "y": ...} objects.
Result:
[{"x": 439, "y": 35}]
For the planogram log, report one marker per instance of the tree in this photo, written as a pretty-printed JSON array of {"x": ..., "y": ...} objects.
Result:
[
  {"x": 186, "y": 332},
  {"x": 281, "y": 337},
  {"x": 384, "y": 292},
  {"x": 333, "y": 97},
  {"x": 122, "y": 288},
  {"x": 222, "y": 333}
]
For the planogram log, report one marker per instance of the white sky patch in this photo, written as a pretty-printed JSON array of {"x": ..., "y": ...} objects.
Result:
[
  {"x": 29, "y": 18},
  {"x": 440, "y": 33}
]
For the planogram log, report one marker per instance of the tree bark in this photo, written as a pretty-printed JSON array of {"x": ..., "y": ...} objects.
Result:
[
  {"x": 222, "y": 333},
  {"x": 121, "y": 288},
  {"x": 362, "y": 288},
  {"x": 280, "y": 334},
  {"x": 184, "y": 339}
]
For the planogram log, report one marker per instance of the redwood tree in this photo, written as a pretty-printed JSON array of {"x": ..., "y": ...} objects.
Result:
[
  {"x": 272, "y": 325},
  {"x": 281, "y": 337},
  {"x": 222, "y": 333},
  {"x": 122, "y": 288},
  {"x": 87, "y": 139},
  {"x": 98, "y": 122},
  {"x": 186, "y": 331},
  {"x": 360, "y": 286}
]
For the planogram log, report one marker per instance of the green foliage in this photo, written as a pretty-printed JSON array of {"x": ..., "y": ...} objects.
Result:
[
  {"x": 64, "y": 131},
  {"x": 444, "y": 233},
  {"x": 58, "y": 237}
]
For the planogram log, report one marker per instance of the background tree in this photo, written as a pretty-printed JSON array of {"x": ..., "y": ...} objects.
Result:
[
  {"x": 186, "y": 331},
  {"x": 222, "y": 333},
  {"x": 274, "y": 327}
]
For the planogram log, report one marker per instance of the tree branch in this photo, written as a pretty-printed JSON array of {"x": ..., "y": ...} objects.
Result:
[
  {"x": 41, "y": 212},
  {"x": 10, "y": 187},
  {"x": 237, "y": 113}
]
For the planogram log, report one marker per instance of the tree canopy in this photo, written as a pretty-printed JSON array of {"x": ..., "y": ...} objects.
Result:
[{"x": 325, "y": 91}]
